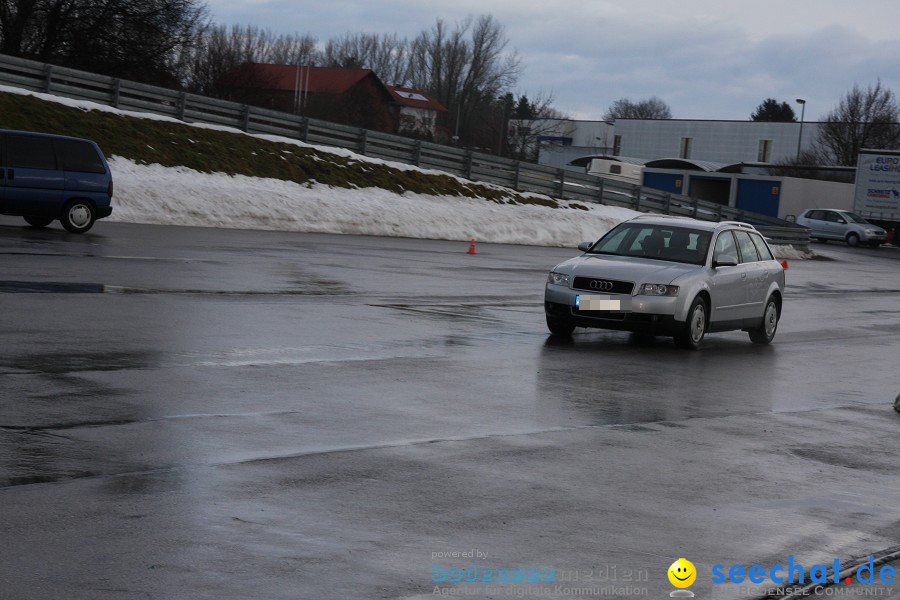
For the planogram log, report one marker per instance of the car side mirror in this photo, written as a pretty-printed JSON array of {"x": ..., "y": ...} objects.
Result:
[
  {"x": 842, "y": 222},
  {"x": 585, "y": 246},
  {"x": 725, "y": 260}
]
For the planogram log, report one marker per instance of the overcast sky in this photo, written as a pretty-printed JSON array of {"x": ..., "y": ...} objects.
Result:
[{"x": 707, "y": 59}]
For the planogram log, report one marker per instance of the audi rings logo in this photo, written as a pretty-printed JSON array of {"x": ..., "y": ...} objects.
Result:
[{"x": 600, "y": 285}]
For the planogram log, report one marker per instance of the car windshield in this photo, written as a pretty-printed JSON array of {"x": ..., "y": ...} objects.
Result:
[
  {"x": 659, "y": 242},
  {"x": 855, "y": 218}
]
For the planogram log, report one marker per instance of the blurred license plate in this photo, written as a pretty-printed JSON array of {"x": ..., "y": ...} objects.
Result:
[{"x": 594, "y": 302}]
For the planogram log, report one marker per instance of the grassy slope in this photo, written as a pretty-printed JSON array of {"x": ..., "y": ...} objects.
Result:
[{"x": 148, "y": 141}]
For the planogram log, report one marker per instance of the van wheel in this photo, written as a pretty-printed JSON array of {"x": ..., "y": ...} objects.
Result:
[
  {"x": 78, "y": 216},
  {"x": 38, "y": 221}
]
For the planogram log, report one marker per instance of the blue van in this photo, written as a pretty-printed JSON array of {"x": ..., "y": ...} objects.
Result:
[{"x": 45, "y": 177}]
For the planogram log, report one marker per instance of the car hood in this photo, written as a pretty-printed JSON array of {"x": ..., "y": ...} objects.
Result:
[{"x": 624, "y": 268}]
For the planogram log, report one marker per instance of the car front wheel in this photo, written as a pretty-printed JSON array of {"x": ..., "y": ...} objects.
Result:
[
  {"x": 78, "y": 216},
  {"x": 766, "y": 330},
  {"x": 853, "y": 239},
  {"x": 38, "y": 221},
  {"x": 694, "y": 330},
  {"x": 559, "y": 326}
]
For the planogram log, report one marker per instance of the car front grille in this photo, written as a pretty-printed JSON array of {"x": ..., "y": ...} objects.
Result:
[{"x": 602, "y": 286}]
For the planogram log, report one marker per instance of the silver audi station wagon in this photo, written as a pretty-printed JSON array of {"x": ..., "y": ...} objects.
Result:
[{"x": 670, "y": 276}]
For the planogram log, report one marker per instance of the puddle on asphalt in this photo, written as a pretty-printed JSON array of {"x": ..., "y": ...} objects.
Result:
[
  {"x": 64, "y": 362},
  {"x": 454, "y": 312},
  {"x": 49, "y": 287},
  {"x": 55, "y": 287}
]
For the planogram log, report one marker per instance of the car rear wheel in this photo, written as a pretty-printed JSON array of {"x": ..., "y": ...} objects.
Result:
[
  {"x": 852, "y": 239},
  {"x": 38, "y": 221},
  {"x": 78, "y": 216},
  {"x": 766, "y": 330},
  {"x": 559, "y": 326},
  {"x": 694, "y": 330}
]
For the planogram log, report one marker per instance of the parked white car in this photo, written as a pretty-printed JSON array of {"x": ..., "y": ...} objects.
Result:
[{"x": 834, "y": 224}]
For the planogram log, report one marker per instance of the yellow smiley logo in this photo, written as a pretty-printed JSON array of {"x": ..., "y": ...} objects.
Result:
[{"x": 682, "y": 573}]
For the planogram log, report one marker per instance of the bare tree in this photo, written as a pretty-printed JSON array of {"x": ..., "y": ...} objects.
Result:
[
  {"x": 386, "y": 55},
  {"x": 862, "y": 119},
  {"x": 215, "y": 66},
  {"x": 293, "y": 49},
  {"x": 809, "y": 165},
  {"x": 145, "y": 40},
  {"x": 651, "y": 108},
  {"x": 465, "y": 69}
]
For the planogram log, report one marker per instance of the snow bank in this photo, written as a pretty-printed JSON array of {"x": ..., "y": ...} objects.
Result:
[
  {"x": 182, "y": 196},
  {"x": 791, "y": 253}
]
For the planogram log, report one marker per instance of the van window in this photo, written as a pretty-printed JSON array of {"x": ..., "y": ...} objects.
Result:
[
  {"x": 30, "y": 152},
  {"x": 75, "y": 155}
]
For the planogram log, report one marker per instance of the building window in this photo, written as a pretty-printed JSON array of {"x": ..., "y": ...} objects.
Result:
[
  {"x": 686, "y": 144},
  {"x": 765, "y": 151},
  {"x": 617, "y": 145}
]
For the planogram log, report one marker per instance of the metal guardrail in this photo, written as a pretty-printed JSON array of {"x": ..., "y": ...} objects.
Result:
[
  {"x": 475, "y": 166},
  {"x": 798, "y": 237}
]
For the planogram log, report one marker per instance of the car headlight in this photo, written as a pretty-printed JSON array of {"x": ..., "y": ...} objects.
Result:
[
  {"x": 658, "y": 289},
  {"x": 558, "y": 278}
]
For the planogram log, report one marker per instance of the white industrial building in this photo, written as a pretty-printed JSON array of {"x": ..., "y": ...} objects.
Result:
[
  {"x": 719, "y": 161},
  {"x": 723, "y": 142}
]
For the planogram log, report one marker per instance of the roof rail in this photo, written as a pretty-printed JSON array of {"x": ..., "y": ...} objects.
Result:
[
  {"x": 659, "y": 216},
  {"x": 738, "y": 224}
]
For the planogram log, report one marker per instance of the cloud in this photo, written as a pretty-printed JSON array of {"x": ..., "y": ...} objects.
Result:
[{"x": 705, "y": 58}]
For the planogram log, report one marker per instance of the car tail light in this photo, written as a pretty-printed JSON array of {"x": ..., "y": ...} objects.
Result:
[{"x": 109, "y": 189}]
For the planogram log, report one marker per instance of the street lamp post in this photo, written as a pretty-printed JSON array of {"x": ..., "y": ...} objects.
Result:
[{"x": 802, "y": 104}]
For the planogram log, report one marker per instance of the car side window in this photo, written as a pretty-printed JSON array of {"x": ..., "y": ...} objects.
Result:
[
  {"x": 746, "y": 246},
  {"x": 725, "y": 245},
  {"x": 833, "y": 217},
  {"x": 30, "y": 152},
  {"x": 75, "y": 155},
  {"x": 817, "y": 215},
  {"x": 761, "y": 247}
]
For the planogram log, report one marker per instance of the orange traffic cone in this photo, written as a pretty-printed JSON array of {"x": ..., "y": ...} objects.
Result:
[{"x": 472, "y": 247}]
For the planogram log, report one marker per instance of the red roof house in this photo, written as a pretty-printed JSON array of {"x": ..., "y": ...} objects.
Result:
[
  {"x": 416, "y": 112},
  {"x": 350, "y": 96}
]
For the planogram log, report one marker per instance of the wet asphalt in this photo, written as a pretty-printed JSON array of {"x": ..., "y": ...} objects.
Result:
[{"x": 202, "y": 413}]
